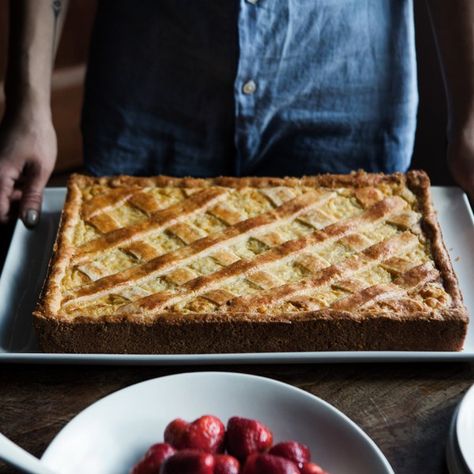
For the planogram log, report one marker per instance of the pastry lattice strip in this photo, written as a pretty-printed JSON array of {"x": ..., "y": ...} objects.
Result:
[
  {"x": 364, "y": 295},
  {"x": 95, "y": 212},
  {"x": 226, "y": 214},
  {"x": 139, "y": 249},
  {"x": 104, "y": 222},
  {"x": 100, "y": 218},
  {"x": 106, "y": 202},
  {"x": 146, "y": 202},
  {"x": 346, "y": 269},
  {"x": 158, "y": 221},
  {"x": 399, "y": 288},
  {"x": 209, "y": 245},
  {"x": 278, "y": 194},
  {"x": 284, "y": 252}
]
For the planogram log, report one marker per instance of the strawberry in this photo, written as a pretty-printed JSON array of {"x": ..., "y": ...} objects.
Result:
[
  {"x": 246, "y": 436},
  {"x": 205, "y": 434},
  {"x": 189, "y": 461},
  {"x": 225, "y": 464},
  {"x": 296, "y": 452},
  {"x": 269, "y": 464},
  {"x": 153, "y": 459},
  {"x": 174, "y": 432},
  {"x": 311, "y": 468}
]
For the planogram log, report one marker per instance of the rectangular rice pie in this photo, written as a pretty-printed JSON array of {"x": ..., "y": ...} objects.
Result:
[{"x": 325, "y": 263}]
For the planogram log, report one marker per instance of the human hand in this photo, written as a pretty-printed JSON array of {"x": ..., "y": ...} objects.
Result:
[{"x": 28, "y": 151}]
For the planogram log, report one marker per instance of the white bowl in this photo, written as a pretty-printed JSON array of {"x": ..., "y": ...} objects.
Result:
[
  {"x": 112, "y": 434},
  {"x": 465, "y": 428}
]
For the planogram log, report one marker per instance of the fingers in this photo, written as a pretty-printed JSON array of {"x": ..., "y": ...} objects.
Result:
[
  {"x": 16, "y": 195},
  {"x": 27, "y": 155},
  {"x": 7, "y": 184},
  {"x": 32, "y": 195}
]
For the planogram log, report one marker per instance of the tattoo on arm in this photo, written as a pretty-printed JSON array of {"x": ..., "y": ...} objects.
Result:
[{"x": 57, "y": 6}]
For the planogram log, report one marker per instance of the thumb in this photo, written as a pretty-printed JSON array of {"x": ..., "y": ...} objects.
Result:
[{"x": 32, "y": 195}]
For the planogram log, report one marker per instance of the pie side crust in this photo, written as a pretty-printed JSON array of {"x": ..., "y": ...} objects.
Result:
[{"x": 236, "y": 329}]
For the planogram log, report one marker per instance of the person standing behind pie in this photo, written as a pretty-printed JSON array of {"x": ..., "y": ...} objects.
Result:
[{"x": 249, "y": 87}]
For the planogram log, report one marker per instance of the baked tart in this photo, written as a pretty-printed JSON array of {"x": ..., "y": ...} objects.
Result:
[{"x": 182, "y": 265}]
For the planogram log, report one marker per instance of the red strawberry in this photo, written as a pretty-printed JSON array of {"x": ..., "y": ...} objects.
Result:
[
  {"x": 189, "y": 461},
  {"x": 206, "y": 433},
  {"x": 153, "y": 459},
  {"x": 174, "y": 432},
  {"x": 225, "y": 464},
  {"x": 246, "y": 436},
  {"x": 296, "y": 452},
  {"x": 269, "y": 464},
  {"x": 311, "y": 468}
]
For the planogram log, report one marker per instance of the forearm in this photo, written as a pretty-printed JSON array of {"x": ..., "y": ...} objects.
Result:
[
  {"x": 35, "y": 27},
  {"x": 28, "y": 145},
  {"x": 453, "y": 26}
]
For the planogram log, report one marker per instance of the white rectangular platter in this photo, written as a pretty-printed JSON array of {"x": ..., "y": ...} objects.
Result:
[{"x": 27, "y": 260}]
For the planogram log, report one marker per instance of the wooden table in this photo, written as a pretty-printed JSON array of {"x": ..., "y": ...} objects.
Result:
[{"x": 405, "y": 408}]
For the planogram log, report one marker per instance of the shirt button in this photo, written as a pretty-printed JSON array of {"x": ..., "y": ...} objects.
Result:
[{"x": 249, "y": 87}]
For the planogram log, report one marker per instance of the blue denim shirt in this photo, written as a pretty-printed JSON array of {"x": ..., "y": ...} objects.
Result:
[{"x": 250, "y": 87}]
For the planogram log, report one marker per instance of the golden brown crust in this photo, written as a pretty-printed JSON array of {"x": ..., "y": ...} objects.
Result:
[
  {"x": 319, "y": 331},
  {"x": 419, "y": 183},
  {"x": 356, "y": 179},
  {"x": 62, "y": 250},
  {"x": 146, "y": 326}
]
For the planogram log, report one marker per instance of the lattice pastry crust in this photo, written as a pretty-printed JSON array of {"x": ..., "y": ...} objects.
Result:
[{"x": 169, "y": 265}]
